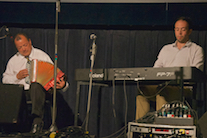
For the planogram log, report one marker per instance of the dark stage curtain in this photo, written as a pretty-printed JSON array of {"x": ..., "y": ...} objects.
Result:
[{"x": 115, "y": 49}]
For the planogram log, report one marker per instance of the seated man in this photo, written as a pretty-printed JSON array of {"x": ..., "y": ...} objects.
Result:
[
  {"x": 16, "y": 73},
  {"x": 179, "y": 54}
]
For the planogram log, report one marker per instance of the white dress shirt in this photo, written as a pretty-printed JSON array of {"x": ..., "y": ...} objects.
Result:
[
  {"x": 189, "y": 55},
  {"x": 18, "y": 62}
]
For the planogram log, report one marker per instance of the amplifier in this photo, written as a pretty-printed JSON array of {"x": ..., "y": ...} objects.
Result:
[{"x": 142, "y": 130}]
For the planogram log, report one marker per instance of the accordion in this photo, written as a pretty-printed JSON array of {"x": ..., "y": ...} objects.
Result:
[{"x": 43, "y": 73}]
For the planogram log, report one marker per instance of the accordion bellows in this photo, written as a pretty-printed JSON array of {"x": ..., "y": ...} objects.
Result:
[{"x": 43, "y": 73}]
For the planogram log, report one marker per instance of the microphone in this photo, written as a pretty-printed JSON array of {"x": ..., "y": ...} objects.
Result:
[
  {"x": 93, "y": 49},
  {"x": 8, "y": 33},
  {"x": 93, "y": 36},
  {"x": 7, "y": 29}
]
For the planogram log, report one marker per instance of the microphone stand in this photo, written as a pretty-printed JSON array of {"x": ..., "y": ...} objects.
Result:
[
  {"x": 93, "y": 53},
  {"x": 53, "y": 127}
]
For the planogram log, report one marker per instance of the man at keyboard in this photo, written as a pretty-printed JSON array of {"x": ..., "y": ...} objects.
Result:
[{"x": 183, "y": 52}]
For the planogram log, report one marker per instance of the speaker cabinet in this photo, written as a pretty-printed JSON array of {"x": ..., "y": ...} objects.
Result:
[{"x": 12, "y": 103}]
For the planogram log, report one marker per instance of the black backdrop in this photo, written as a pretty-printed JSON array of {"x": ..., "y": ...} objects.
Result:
[{"x": 115, "y": 48}]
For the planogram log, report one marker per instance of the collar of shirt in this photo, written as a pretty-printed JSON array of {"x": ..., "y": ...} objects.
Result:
[{"x": 188, "y": 43}]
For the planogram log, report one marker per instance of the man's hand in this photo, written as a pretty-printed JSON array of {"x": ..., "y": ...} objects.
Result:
[
  {"x": 22, "y": 74},
  {"x": 60, "y": 83}
]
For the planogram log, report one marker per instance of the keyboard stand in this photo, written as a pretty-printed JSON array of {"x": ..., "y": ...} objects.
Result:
[{"x": 79, "y": 83}]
